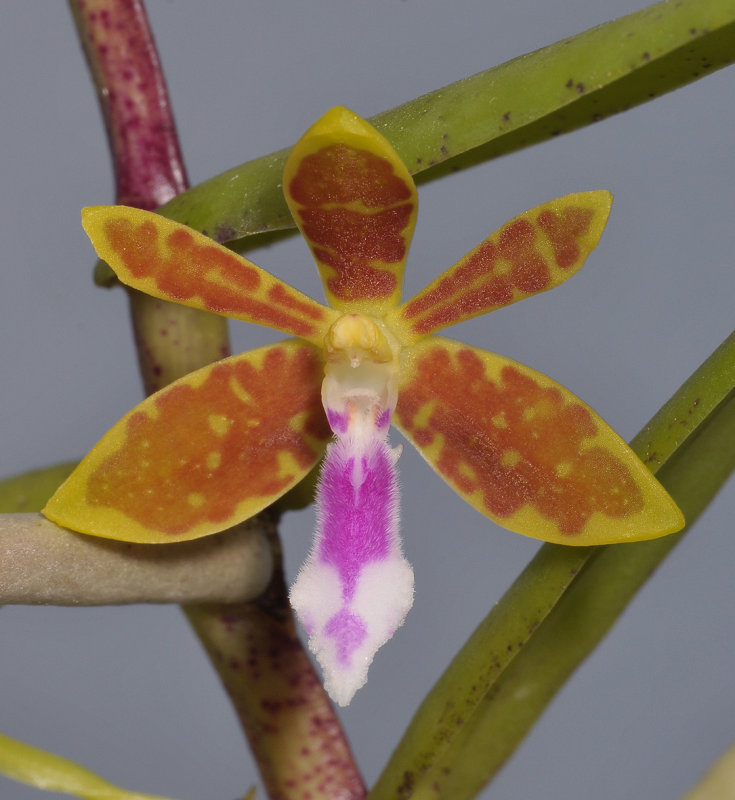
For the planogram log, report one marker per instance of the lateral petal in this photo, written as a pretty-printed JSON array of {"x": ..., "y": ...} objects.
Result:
[
  {"x": 166, "y": 259},
  {"x": 525, "y": 451},
  {"x": 355, "y": 203},
  {"x": 203, "y": 454},
  {"x": 532, "y": 253}
]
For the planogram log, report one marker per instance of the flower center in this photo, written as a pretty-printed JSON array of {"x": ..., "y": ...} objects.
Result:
[
  {"x": 357, "y": 338},
  {"x": 360, "y": 387}
]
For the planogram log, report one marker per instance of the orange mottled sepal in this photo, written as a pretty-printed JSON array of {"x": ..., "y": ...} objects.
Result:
[
  {"x": 166, "y": 259},
  {"x": 525, "y": 451},
  {"x": 203, "y": 454},
  {"x": 532, "y": 253},
  {"x": 355, "y": 203}
]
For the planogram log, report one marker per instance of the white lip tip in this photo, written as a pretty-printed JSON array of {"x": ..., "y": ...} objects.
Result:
[{"x": 342, "y": 695}]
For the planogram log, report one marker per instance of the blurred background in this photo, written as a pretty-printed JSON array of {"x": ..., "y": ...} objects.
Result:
[{"x": 128, "y": 691}]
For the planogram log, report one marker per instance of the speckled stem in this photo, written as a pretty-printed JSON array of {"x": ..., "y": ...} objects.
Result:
[
  {"x": 124, "y": 64},
  {"x": 295, "y": 734},
  {"x": 171, "y": 339},
  {"x": 290, "y": 723}
]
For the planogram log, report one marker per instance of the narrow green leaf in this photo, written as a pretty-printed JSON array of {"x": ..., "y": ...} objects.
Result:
[
  {"x": 566, "y": 599},
  {"x": 690, "y": 407},
  {"x": 553, "y": 90},
  {"x": 50, "y": 772},
  {"x": 30, "y": 491},
  {"x": 719, "y": 782}
]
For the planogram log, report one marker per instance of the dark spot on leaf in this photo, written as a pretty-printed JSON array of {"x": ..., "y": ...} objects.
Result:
[
  {"x": 224, "y": 233},
  {"x": 405, "y": 788}
]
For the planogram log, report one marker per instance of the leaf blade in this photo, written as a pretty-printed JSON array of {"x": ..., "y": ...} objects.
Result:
[{"x": 52, "y": 773}]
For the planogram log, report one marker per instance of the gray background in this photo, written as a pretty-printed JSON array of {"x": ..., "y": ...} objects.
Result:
[{"x": 128, "y": 691}]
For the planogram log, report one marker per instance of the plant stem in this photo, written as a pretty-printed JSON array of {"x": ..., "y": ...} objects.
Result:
[
  {"x": 288, "y": 718},
  {"x": 45, "y": 564},
  {"x": 172, "y": 340},
  {"x": 123, "y": 61}
]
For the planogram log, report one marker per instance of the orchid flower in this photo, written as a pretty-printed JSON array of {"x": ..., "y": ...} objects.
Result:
[{"x": 224, "y": 442}]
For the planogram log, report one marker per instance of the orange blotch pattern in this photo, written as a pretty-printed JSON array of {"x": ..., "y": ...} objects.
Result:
[
  {"x": 354, "y": 212},
  {"x": 210, "y": 447},
  {"x": 184, "y": 269},
  {"x": 563, "y": 230},
  {"x": 504, "y": 268},
  {"x": 515, "y": 442},
  {"x": 339, "y": 174}
]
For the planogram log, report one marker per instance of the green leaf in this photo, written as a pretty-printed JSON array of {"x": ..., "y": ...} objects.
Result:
[
  {"x": 553, "y": 90},
  {"x": 50, "y": 772},
  {"x": 719, "y": 781},
  {"x": 559, "y": 608},
  {"x": 30, "y": 491}
]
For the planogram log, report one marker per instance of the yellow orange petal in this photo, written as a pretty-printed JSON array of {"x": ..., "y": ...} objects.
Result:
[
  {"x": 203, "y": 454},
  {"x": 169, "y": 260},
  {"x": 525, "y": 451},
  {"x": 532, "y": 253},
  {"x": 355, "y": 203}
]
